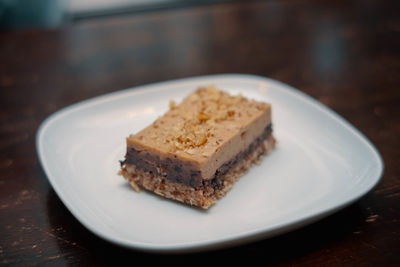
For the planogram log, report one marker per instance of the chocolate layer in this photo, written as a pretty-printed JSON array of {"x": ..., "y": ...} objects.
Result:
[{"x": 174, "y": 170}]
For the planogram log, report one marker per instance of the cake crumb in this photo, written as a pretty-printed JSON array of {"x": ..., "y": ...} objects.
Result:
[{"x": 134, "y": 185}]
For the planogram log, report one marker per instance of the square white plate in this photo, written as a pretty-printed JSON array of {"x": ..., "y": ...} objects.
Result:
[{"x": 321, "y": 164}]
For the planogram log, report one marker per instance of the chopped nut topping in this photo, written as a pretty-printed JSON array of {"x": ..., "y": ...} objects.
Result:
[
  {"x": 195, "y": 123},
  {"x": 202, "y": 117},
  {"x": 172, "y": 104}
]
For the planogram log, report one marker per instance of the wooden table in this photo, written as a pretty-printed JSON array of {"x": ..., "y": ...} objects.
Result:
[{"x": 345, "y": 54}]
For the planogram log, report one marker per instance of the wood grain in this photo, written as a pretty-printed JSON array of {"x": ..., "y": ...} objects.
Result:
[{"x": 343, "y": 53}]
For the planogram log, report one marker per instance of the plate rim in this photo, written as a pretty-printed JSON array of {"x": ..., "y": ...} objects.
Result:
[{"x": 254, "y": 234}]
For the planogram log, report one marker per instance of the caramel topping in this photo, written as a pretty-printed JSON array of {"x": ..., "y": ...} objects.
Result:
[
  {"x": 194, "y": 123},
  {"x": 212, "y": 106}
]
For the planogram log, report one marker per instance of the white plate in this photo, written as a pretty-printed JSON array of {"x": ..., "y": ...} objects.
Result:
[{"x": 321, "y": 164}]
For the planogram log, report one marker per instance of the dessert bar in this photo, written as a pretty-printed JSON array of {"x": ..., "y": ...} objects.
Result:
[{"x": 199, "y": 148}]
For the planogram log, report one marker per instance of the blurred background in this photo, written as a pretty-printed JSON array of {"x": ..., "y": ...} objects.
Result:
[
  {"x": 54, "y": 53},
  {"x": 53, "y": 13}
]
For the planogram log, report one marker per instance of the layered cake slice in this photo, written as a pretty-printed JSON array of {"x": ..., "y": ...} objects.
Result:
[{"x": 199, "y": 148}]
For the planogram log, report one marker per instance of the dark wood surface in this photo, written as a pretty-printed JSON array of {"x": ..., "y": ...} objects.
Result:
[{"x": 343, "y": 53}]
